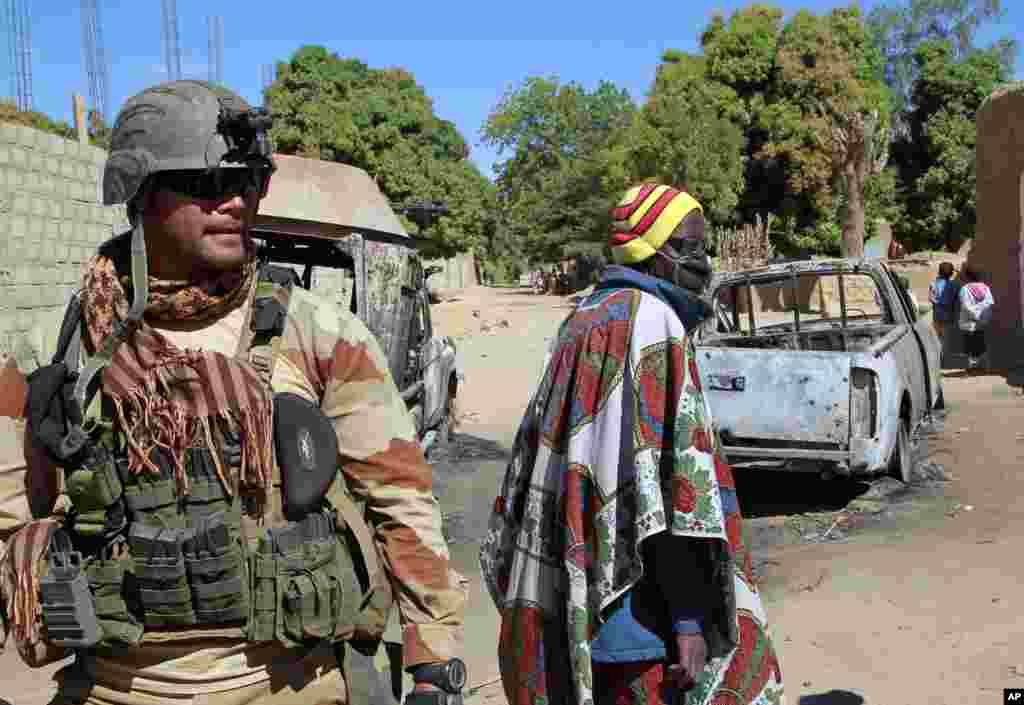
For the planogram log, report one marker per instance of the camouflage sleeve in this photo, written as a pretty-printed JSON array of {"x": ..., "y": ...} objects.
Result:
[{"x": 385, "y": 468}]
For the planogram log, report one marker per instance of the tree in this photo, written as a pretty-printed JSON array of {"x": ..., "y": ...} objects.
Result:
[
  {"x": 900, "y": 27},
  {"x": 828, "y": 115},
  {"x": 935, "y": 159},
  {"x": 381, "y": 120},
  {"x": 684, "y": 136},
  {"x": 741, "y": 54},
  {"x": 551, "y": 185},
  {"x": 809, "y": 98}
]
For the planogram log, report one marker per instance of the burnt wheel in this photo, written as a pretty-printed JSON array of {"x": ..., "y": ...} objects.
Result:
[{"x": 901, "y": 465}]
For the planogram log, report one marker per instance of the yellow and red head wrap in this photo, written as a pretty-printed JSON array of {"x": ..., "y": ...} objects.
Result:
[{"x": 644, "y": 218}]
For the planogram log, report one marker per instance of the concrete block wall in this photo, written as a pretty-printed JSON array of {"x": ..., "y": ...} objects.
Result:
[{"x": 51, "y": 222}]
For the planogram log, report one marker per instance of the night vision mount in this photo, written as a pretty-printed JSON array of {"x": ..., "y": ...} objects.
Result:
[{"x": 245, "y": 132}]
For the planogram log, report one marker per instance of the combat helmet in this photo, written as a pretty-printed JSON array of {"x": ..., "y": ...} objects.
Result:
[{"x": 183, "y": 125}]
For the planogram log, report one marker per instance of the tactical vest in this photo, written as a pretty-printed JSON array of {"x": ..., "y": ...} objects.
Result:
[{"x": 138, "y": 562}]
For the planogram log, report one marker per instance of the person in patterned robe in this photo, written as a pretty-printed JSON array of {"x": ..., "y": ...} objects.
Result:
[{"x": 615, "y": 551}]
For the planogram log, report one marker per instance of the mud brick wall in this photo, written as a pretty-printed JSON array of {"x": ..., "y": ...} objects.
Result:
[
  {"x": 457, "y": 272},
  {"x": 51, "y": 221},
  {"x": 998, "y": 249}
]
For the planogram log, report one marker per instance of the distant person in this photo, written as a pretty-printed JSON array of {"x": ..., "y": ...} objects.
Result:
[
  {"x": 897, "y": 250},
  {"x": 976, "y": 304},
  {"x": 941, "y": 295},
  {"x": 537, "y": 281},
  {"x": 615, "y": 552}
]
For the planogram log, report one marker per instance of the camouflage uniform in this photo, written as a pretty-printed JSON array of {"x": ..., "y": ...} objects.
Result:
[{"x": 327, "y": 356}]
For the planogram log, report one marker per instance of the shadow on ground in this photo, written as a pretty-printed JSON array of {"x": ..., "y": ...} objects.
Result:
[
  {"x": 467, "y": 476},
  {"x": 463, "y": 448},
  {"x": 832, "y": 697},
  {"x": 766, "y": 493}
]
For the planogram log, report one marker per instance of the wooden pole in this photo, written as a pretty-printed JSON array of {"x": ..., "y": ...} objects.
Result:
[{"x": 78, "y": 105}]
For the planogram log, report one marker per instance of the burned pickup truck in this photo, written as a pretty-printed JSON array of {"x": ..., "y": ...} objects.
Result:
[{"x": 822, "y": 365}]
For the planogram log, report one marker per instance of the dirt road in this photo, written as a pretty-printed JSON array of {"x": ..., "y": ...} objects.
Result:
[{"x": 918, "y": 600}]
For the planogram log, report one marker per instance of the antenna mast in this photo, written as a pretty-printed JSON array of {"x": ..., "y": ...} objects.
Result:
[
  {"x": 216, "y": 51},
  {"x": 96, "y": 68},
  {"x": 19, "y": 18},
  {"x": 172, "y": 47}
]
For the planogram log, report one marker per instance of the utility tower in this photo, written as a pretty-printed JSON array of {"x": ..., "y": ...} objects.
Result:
[
  {"x": 96, "y": 68},
  {"x": 20, "y": 50},
  {"x": 216, "y": 51},
  {"x": 169, "y": 35}
]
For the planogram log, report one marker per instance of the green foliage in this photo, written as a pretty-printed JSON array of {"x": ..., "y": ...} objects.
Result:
[
  {"x": 935, "y": 160},
  {"x": 10, "y": 114},
  {"x": 381, "y": 120},
  {"x": 785, "y": 117},
  {"x": 900, "y": 27},
  {"x": 741, "y": 52},
  {"x": 815, "y": 113},
  {"x": 684, "y": 135},
  {"x": 555, "y": 183},
  {"x": 99, "y": 132}
]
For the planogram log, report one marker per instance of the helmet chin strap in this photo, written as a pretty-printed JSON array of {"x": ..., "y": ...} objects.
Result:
[{"x": 105, "y": 354}]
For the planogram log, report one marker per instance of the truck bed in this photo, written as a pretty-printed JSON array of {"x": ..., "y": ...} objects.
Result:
[{"x": 821, "y": 338}]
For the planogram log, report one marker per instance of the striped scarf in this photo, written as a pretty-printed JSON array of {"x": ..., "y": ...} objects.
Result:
[
  {"x": 174, "y": 399},
  {"x": 20, "y": 573}
]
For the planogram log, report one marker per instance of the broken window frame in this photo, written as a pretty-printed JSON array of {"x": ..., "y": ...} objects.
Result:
[{"x": 747, "y": 284}]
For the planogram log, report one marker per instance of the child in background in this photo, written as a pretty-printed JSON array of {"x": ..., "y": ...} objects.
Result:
[
  {"x": 940, "y": 295},
  {"x": 976, "y": 303}
]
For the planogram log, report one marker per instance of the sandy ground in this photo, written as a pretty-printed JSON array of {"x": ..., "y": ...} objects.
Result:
[{"x": 919, "y": 605}]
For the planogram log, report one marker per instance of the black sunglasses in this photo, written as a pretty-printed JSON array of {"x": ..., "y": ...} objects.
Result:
[{"x": 214, "y": 184}]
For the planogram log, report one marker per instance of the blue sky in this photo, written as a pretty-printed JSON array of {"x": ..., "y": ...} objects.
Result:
[{"x": 465, "y": 77}]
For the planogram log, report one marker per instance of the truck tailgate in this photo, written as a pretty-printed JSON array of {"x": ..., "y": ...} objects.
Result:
[{"x": 778, "y": 395}]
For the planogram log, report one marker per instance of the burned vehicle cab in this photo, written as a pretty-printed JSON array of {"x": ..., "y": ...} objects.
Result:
[
  {"x": 818, "y": 364},
  {"x": 430, "y": 385},
  {"x": 331, "y": 224}
]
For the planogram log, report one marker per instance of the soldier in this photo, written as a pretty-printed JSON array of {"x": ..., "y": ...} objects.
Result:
[{"x": 199, "y": 543}]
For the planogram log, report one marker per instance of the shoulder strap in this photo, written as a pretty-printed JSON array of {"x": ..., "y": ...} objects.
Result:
[
  {"x": 269, "y": 317},
  {"x": 69, "y": 341},
  {"x": 353, "y": 519}
]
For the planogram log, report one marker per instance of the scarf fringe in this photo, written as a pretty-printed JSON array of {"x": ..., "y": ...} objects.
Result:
[{"x": 149, "y": 422}]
